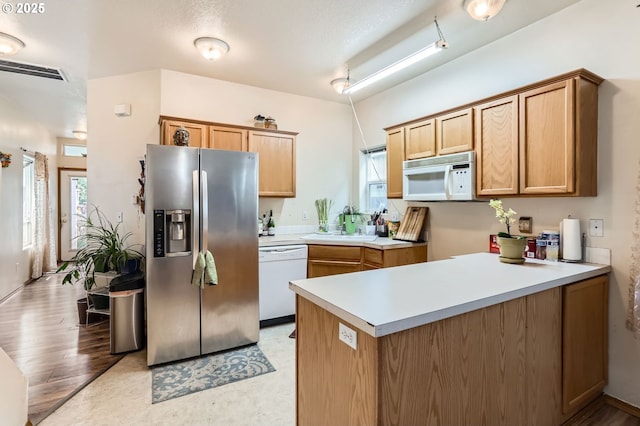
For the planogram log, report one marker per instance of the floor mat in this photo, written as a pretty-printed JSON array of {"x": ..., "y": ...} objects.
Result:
[{"x": 210, "y": 371}]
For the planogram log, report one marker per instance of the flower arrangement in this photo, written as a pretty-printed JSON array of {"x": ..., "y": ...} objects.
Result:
[
  {"x": 503, "y": 216},
  {"x": 5, "y": 159}
]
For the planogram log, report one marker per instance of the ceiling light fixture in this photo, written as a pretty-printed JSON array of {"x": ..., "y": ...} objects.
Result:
[
  {"x": 211, "y": 48},
  {"x": 339, "y": 84},
  {"x": 9, "y": 44},
  {"x": 80, "y": 134},
  {"x": 483, "y": 10},
  {"x": 403, "y": 63}
]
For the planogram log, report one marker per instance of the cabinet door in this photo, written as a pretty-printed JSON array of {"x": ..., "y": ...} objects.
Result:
[
  {"x": 455, "y": 132},
  {"x": 496, "y": 129},
  {"x": 228, "y": 138},
  {"x": 420, "y": 139},
  {"x": 277, "y": 163},
  {"x": 547, "y": 157},
  {"x": 322, "y": 268},
  {"x": 584, "y": 342},
  {"x": 198, "y": 134},
  {"x": 395, "y": 157}
]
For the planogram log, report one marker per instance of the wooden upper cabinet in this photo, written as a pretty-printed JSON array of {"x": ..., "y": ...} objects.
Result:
[
  {"x": 198, "y": 133},
  {"x": 395, "y": 157},
  {"x": 455, "y": 131},
  {"x": 420, "y": 139},
  {"x": 547, "y": 162},
  {"x": 277, "y": 163},
  {"x": 584, "y": 342},
  {"x": 228, "y": 138},
  {"x": 496, "y": 137}
]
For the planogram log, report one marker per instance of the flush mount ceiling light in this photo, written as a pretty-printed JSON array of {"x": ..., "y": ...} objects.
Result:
[
  {"x": 339, "y": 84},
  {"x": 9, "y": 45},
  {"x": 211, "y": 48},
  {"x": 80, "y": 134},
  {"x": 403, "y": 63},
  {"x": 483, "y": 10}
]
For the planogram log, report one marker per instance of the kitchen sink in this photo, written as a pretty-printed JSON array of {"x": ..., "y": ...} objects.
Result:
[{"x": 339, "y": 237}]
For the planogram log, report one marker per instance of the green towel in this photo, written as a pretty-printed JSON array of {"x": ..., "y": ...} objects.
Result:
[
  {"x": 198, "y": 271},
  {"x": 210, "y": 271}
]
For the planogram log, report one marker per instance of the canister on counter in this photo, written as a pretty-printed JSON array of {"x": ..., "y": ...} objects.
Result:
[{"x": 541, "y": 247}]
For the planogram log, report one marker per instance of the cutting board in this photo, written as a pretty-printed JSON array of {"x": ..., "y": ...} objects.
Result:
[{"x": 412, "y": 224}]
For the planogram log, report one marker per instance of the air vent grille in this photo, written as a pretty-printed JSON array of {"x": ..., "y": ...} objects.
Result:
[{"x": 30, "y": 69}]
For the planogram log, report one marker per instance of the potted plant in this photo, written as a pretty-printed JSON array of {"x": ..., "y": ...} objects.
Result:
[
  {"x": 511, "y": 247},
  {"x": 101, "y": 248},
  {"x": 323, "y": 207}
]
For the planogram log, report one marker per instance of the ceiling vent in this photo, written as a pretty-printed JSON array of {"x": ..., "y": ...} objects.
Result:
[{"x": 30, "y": 69}]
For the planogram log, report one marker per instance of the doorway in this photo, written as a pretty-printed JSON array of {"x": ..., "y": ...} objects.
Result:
[{"x": 72, "y": 208}]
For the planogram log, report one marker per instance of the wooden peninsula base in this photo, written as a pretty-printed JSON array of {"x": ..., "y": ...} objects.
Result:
[{"x": 533, "y": 360}]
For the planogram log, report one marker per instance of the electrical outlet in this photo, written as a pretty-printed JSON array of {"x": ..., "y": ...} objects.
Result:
[
  {"x": 596, "y": 227},
  {"x": 119, "y": 217},
  {"x": 394, "y": 216},
  {"x": 17, "y": 266},
  {"x": 305, "y": 215},
  {"x": 347, "y": 335}
]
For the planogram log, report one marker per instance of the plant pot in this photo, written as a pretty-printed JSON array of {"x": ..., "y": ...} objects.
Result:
[
  {"x": 351, "y": 223},
  {"x": 130, "y": 266},
  {"x": 512, "y": 249},
  {"x": 82, "y": 311}
]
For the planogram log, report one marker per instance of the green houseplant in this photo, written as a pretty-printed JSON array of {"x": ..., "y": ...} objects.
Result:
[
  {"x": 511, "y": 247},
  {"x": 101, "y": 248}
]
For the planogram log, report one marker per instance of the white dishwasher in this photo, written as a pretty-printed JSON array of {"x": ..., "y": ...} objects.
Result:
[{"x": 277, "y": 266}]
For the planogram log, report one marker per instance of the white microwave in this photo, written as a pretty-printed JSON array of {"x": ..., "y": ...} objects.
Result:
[{"x": 443, "y": 178}]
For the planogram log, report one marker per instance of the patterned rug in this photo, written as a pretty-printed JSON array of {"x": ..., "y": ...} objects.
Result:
[{"x": 210, "y": 371}]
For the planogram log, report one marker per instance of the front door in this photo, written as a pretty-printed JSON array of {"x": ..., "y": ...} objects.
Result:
[{"x": 73, "y": 210}]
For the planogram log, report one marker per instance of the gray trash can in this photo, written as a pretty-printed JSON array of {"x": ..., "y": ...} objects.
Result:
[{"x": 126, "y": 307}]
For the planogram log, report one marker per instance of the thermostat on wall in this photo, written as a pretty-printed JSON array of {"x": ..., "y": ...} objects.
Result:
[{"x": 122, "y": 110}]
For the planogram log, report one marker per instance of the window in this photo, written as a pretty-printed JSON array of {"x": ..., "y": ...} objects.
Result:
[
  {"x": 74, "y": 150},
  {"x": 28, "y": 191},
  {"x": 375, "y": 178}
]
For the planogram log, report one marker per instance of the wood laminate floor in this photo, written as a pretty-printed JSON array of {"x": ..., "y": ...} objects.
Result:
[{"x": 39, "y": 330}]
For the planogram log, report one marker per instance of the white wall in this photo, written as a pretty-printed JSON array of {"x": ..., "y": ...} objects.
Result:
[
  {"x": 323, "y": 147},
  {"x": 18, "y": 130},
  {"x": 591, "y": 34},
  {"x": 323, "y": 144},
  {"x": 116, "y": 144}
]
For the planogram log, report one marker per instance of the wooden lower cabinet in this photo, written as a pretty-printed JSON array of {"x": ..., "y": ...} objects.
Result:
[
  {"x": 505, "y": 364},
  {"x": 584, "y": 342},
  {"x": 326, "y": 260}
]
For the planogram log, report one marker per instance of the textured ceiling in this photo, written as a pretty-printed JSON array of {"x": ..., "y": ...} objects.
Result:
[{"x": 285, "y": 45}]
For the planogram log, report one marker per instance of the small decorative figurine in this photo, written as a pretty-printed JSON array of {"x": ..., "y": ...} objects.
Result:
[{"x": 181, "y": 137}]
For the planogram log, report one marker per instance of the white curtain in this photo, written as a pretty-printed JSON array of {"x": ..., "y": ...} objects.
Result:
[
  {"x": 633, "y": 313},
  {"x": 43, "y": 257}
]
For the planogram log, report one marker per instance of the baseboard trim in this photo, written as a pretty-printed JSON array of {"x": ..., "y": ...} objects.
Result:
[
  {"x": 8, "y": 296},
  {"x": 586, "y": 411},
  {"x": 623, "y": 406}
]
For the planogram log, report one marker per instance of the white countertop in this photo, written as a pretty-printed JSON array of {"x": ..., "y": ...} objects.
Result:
[
  {"x": 386, "y": 301},
  {"x": 289, "y": 239}
]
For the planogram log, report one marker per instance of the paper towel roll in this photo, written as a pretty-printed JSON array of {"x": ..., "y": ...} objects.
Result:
[{"x": 571, "y": 246}]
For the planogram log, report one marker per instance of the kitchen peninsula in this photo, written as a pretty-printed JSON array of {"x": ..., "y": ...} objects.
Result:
[{"x": 467, "y": 340}]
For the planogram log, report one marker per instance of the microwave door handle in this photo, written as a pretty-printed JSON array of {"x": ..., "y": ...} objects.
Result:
[{"x": 447, "y": 182}]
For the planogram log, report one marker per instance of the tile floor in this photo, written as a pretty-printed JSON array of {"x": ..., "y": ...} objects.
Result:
[{"x": 122, "y": 395}]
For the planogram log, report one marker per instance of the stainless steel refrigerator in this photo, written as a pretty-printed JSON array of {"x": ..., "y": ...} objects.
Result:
[{"x": 197, "y": 200}]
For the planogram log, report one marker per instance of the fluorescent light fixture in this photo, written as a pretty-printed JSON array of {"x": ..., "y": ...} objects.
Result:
[
  {"x": 483, "y": 10},
  {"x": 9, "y": 44},
  {"x": 211, "y": 48},
  {"x": 397, "y": 66}
]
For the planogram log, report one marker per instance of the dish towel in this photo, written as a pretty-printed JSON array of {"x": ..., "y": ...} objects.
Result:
[
  {"x": 198, "y": 271},
  {"x": 210, "y": 271},
  {"x": 204, "y": 271}
]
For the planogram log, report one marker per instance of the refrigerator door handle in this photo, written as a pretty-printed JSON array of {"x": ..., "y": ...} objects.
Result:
[
  {"x": 205, "y": 211},
  {"x": 195, "y": 221}
]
